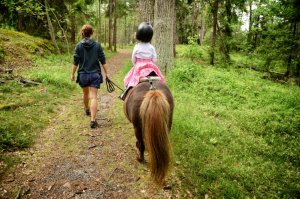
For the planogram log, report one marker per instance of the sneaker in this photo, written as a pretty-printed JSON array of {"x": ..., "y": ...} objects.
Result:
[
  {"x": 87, "y": 111},
  {"x": 93, "y": 124}
]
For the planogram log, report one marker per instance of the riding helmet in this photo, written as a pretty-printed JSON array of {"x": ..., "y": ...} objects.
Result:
[{"x": 144, "y": 32}]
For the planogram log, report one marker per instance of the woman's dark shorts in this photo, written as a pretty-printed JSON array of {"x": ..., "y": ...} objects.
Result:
[{"x": 89, "y": 79}]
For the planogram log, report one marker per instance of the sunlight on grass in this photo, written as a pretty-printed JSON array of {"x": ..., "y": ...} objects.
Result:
[{"x": 234, "y": 134}]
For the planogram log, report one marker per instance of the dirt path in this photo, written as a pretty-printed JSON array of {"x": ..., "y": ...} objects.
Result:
[{"x": 70, "y": 160}]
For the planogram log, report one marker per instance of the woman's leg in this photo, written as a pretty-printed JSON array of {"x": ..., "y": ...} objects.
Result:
[
  {"x": 86, "y": 97},
  {"x": 93, "y": 91}
]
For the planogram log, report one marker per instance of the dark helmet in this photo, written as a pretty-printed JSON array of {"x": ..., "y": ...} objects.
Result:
[{"x": 144, "y": 32}]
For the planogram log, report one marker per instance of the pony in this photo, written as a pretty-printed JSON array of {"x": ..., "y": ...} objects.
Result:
[{"x": 149, "y": 107}]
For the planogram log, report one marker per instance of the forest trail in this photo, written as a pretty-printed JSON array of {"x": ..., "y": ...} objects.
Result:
[{"x": 71, "y": 160}]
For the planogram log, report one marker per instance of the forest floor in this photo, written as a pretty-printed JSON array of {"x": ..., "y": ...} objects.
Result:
[{"x": 71, "y": 160}]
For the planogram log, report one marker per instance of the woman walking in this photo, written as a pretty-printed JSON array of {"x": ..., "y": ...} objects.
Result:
[{"x": 87, "y": 58}]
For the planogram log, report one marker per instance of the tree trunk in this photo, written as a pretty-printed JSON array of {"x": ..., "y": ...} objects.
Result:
[
  {"x": 97, "y": 22},
  {"x": 51, "y": 29},
  {"x": 73, "y": 29},
  {"x": 115, "y": 26},
  {"x": 250, "y": 23},
  {"x": 146, "y": 11},
  {"x": 289, "y": 60},
  {"x": 164, "y": 12},
  {"x": 215, "y": 9},
  {"x": 105, "y": 30},
  {"x": 134, "y": 27},
  {"x": 100, "y": 21},
  {"x": 63, "y": 31},
  {"x": 174, "y": 32},
  {"x": 203, "y": 25},
  {"x": 110, "y": 22},
  {"x": 228, "y": 32},
  {"x": 115, "y": 35},
  {"x": 195, "y": 13},
  {"x": 124, "y": 40},
  {"x": 20, "y": 22}
]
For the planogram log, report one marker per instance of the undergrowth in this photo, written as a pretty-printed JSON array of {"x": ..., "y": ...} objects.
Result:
[
  {"x": 26, "y": 109},
  {"x": 234, "y": 134}
]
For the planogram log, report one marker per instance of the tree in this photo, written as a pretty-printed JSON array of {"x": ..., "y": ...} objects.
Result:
[
  {"x": 146, "y": 11},
  {"x": 115, "y": 25},
  {"x": 164, "y": 12},
  {"x": 215, "y": 9},
  {"x": 110, "y": 22},
  {"x": 51, "y": 29},
  {"x": 276, "y": 38}
]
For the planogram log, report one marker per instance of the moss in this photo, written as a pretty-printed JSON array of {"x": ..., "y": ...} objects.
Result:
[{"x": 19, "y": 49}]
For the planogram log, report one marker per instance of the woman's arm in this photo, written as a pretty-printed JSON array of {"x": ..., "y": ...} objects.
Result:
[
  {"x": 74, "y": 68},
  {"x": 105, "y": 70}
]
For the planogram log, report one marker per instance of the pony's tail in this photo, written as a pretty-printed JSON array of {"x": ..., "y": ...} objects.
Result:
[{"x": 155, "y": 111}]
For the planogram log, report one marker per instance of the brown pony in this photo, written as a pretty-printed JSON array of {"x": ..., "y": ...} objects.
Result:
[{"x": 151, "y": 111}]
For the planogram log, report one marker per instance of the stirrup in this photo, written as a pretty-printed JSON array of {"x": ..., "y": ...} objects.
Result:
[{"x": 123, "y": 95}]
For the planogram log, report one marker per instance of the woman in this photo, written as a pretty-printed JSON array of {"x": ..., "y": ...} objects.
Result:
[{"x": 87, "y": 56}]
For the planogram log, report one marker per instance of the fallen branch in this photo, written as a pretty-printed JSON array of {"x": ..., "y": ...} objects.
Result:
[
  {"x": 26, "y": 81},
  {"x": 19, "y": 79}
]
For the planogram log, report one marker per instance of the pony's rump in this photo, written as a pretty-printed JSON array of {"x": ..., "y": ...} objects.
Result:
[{"x": 150, "y": 112}]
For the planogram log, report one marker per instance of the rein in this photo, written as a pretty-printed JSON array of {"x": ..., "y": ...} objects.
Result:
[{"x": 110, "y": 85}]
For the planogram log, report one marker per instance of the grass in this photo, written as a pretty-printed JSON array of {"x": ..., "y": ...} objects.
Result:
[
  {"x": 17, "y": 50},
  {"x": 234, "y": 134},
  {"x": 25, "y": 110}
]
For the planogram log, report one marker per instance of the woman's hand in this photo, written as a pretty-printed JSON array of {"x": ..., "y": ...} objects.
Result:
[
  {"x": 72, "y": 77},
  {"x": 74, "y": 68}
]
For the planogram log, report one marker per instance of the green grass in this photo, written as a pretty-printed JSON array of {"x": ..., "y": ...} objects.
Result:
[
  {"x": 25, "y": 110},
  {"x": 234, "y": 134},
  {"x": 19, "y": 49}
]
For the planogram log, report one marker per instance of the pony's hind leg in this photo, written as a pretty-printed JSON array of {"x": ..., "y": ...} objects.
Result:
[{"x": 140, "y": 145}]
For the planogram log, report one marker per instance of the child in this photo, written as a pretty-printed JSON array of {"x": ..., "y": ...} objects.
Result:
[{"x": 143, "y": 58}]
